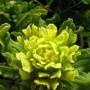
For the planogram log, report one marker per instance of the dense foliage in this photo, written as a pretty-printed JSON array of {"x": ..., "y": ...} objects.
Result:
[{"x": 38, "y": 55}]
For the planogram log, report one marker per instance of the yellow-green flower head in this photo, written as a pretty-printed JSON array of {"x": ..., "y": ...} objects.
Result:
[{"x": 48, "y": 56}]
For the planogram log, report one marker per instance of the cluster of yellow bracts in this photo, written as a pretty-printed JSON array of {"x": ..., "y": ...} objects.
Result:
[{"x": 48, "y": 55}]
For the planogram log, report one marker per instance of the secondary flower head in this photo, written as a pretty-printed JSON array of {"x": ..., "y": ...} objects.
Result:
[{"x": 48, "y": 55}]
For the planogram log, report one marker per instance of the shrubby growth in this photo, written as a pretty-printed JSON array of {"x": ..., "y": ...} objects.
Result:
[{"x": 44, "y": 56}]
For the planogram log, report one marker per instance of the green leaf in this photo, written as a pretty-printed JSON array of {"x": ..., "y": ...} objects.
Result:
[
  {"x": 12, "y": 60},
  {"x": 2, "y": 87},
  {"x": 41, "y": 22},
  {"x": 85, "y": 1},
  {"x": 4, "y": 34},
  {"x": 83, "y": 62},
  {"x": 5, "y": 15},
  {"x": 8, "y": 72},
  {"x": 69, "y": 86},
  {"x": 33, "y": 16},
  {"x": 13, "y": 46},
  {"x": 83, "y": 81},
  {"x": 53, "y": 19},
  {"x": 68, "y": 23}
]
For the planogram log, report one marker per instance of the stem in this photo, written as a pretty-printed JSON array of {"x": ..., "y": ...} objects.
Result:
[
  {"x": 42, "y": 5},
  {"x": 81, "y": 40}
]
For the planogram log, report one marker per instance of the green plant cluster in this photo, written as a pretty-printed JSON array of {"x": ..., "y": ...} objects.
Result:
[{"x": 44, "y": 45}]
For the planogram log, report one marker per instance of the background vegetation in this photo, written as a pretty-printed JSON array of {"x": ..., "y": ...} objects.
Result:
[{"x": 18, "y": 14}]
